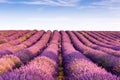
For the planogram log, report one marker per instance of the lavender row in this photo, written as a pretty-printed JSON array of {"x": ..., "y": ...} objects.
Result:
[
  {"x": 78, "y": 67},
  {"x": 108, "y": 36},
  {"x": 3, "y": 37},
  {"x": 43, "y": 67},
  {"x": 94, "y": 40},
  {"x": 99, "y": 43},
  {"x": 105, "y": 60},
  {"x": 29, "y": 53},
  {"x": 13, "y": 49},
  {"x": 17, "y": 35},
  {"x": 115, "y": 45},
  {"x": 25, "y": 55},
  {"x": 17, "y": 41},
  {"x": 111, "y": 33},
  {"x": 88, "y": 43},
  {"x": 117, "y": 34},
  {"x": 117, "y": 41},
  {"x": 34, "y": 38},
  {"x": 13, "y": 36},
  {"x": 103, "y": 39},
  {"x": 104, "y": 36},
  {"x": 4, "y": 33}
]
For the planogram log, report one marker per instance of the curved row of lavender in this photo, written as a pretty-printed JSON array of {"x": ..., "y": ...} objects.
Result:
[
  {"x": 103, "y": 39},
  {"x": 110, "y": 34},
  {"x": 17, "y": 35},
  {"x": 78, "y": 67},
  {"x": 114, "y": 43},
  {"x": 113, "y": 34},
  {"x": 27, "y": 43},
  {"x": 43, "y": 67},
  {"x": 88, "y": 43},
  {"x": 34, "y": 55},
  {"x": 17, "y": 41},
  {"x": 14, "y": 35},
  {"x": 4, "y": 33},
  {"x": 109, "y": 62},
  {"x": 25, "y": 55},
  {"x": 95, "y": 41}
]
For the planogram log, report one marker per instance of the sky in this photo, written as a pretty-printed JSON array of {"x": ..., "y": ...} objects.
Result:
[{"x": 60, "y": 14}]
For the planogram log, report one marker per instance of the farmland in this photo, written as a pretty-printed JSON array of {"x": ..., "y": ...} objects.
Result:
[{"x": 59, "y": 55}]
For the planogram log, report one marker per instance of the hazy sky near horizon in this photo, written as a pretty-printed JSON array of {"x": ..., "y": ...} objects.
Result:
[{"x": 60, "y": 14}]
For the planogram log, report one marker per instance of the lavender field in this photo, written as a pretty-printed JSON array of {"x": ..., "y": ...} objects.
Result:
[{"x": 59, "y": 55}]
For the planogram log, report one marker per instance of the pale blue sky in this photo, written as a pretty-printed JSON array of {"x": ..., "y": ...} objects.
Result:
[{"x": 60, "y": 14}]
